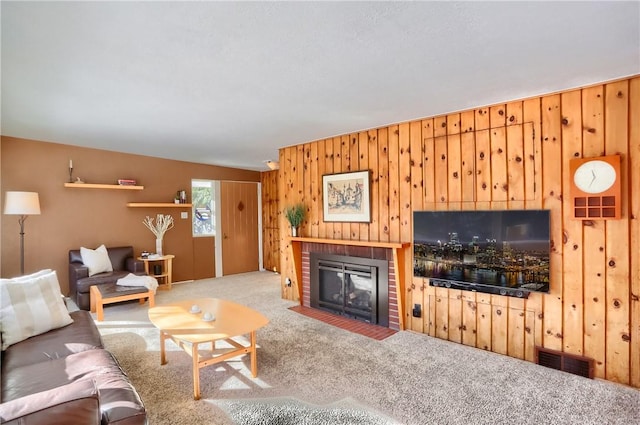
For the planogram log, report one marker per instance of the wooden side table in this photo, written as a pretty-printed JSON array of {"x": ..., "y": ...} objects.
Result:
[{"x": 166, "y": 262}]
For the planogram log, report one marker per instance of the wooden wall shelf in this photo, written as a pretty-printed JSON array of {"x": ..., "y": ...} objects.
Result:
[
  {"x": 390, "y": 245},
  {"x": 102, "y": 186},
  {"x": 157, "y": 205}
]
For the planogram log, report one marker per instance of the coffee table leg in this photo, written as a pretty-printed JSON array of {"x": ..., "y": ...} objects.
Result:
[
  {"x": 163, "y": 338},
  {"x": 196, "y": 371},
  {"x": 254, "y": 359}
]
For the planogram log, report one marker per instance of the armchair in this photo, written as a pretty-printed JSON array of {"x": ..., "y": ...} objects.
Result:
[{"x": 123, "y": 263}]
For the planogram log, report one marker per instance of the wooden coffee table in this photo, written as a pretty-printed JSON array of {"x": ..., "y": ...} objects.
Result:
[{"x": 189, "y": 331}]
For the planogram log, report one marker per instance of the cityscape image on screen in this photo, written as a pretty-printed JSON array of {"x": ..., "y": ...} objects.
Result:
[{"x": 501, "y": 249}]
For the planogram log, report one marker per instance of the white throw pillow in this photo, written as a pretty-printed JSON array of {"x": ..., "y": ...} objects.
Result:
[
  {"x": 31, "y": 307},
  {"x": 97, "y": 260}
]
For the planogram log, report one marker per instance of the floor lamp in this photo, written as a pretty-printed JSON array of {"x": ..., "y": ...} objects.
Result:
[{"x": 23, "y": 204}]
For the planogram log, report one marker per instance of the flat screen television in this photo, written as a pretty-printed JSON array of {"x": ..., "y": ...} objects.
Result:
[{"x": 501, "y": 252}]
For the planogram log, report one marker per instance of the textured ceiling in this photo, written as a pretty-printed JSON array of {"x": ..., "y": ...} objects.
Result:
[{"x": 228, "y": 83}]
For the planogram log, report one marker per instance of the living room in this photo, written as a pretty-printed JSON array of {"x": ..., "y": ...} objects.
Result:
[{"x": 514, "y": 153}]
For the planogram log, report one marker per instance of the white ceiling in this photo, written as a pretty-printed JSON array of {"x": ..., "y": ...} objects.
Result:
[{"x": 228, "y": 83}]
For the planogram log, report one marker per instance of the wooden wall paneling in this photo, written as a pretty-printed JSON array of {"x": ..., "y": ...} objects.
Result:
[
  {"x": 552, "y": 200},
  {"x": 455, "y": 315},
  {"x": 497, "y": 116},
  {"x": 430, "y": 308},
  {"x": 516, "y": 328},
  {"x": 484, "y": 317},
  {"x": 287, "y": 169},
  {"x": 346, "y": 167},
  {"x": 516, "y": 343},
  {"x": 440, "y": 126},
  {"x": 499, "y": 182},
  {"x": 531, "y": 114},
  {"x": 354, "y": 154},
  {"x": 404, "y": 161},
  {"x": 634, "y": 227},
  {"x": 468, "y": 172},
  {"x": 323, "y": 162},
  {"x": 315, "y": 189},
  {"x": 453, "y": 124},
  {"x": 514, "y": 113},
  {"x": 617, "y": 238},
  {"x": 416, "y": 152},
  {"x": 467, "y": 121},
  {"x": 482, "y": 119},
  {"x": 394, "y": 184},
  {"x": 372, "y": 143},
  {"x": 441, "y": 172},
  {"x": 469, "y": 318},
  {"x": 572, "y": 237},
  {"x": 499, "y": 324},
  {"x": 428, "y": 172},
  {"x": 442, "y": 313},
  {"x": 593, "y": 263},
  {"x": 515, "y": 167},
  {"x": 337, "y": 168},
  {"x": 384, "y": 196},
  {"x": 483, "y": 168},
  {"x": 454, "y": 172},
  {"x": 363, "y": 157}
]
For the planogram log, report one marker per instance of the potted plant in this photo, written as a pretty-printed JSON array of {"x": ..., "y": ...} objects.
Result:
[{"x": 295, "y": 215}]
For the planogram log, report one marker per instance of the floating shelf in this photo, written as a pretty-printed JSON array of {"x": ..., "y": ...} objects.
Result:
[
  {"x": 157, "y": 205},
  {"x": 102, "y": 186}
]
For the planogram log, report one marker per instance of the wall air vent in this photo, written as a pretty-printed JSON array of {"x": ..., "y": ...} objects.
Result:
[{"x": 577, "y": 365}]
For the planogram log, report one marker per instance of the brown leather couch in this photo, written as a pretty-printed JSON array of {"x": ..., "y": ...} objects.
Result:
[
  {"x": 123, "y": 263},
  {"x": 65, "y": 376}
]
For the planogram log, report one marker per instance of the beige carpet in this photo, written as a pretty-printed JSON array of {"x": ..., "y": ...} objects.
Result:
[{"x": 311, "y": 373}]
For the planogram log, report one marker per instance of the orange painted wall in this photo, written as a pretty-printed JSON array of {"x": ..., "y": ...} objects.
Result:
[{"x": 89, "y": 217}]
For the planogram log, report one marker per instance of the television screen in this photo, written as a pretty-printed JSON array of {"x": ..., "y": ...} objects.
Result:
[{"x": 502, "y": 252}]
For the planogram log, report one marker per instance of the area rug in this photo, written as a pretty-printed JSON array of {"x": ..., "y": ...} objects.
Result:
[{"x": 291, "y": 411}]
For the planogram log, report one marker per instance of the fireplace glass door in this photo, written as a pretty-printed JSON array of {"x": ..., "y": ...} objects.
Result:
[{"x": 348, "y": 289}]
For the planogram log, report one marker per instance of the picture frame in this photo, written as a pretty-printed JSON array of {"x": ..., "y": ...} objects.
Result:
[{"x": 346, "y": 197}]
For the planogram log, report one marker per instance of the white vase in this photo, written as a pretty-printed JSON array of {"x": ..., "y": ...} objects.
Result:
[
  {"x": 294, "y": 231},
  {"x": 159, "y": 246}
]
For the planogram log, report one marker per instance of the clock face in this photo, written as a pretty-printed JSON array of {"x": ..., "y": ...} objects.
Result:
[{"x": 594, "y": 176}]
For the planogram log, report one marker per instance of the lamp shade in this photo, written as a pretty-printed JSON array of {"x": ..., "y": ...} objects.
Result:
[{"x": 22, "y": 203}]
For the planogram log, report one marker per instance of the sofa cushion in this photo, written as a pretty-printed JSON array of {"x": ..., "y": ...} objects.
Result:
[
  {"x": 79, "y": 336},
  {"x": 97, "y": 260},
  {"x": 119, "y": 402},
  {"x": 75, "y": 403},
  {"x": 85, "y": 283},
  {"x": 31, "y": 307}
]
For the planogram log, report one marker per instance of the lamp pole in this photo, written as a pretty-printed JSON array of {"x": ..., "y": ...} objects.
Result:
[{"x": 21, "y": 220}]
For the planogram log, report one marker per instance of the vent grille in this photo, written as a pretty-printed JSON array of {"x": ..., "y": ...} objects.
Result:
[{"x": 577, "y": 365}]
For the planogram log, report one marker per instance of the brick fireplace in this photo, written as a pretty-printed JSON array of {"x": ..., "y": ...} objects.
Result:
[{"x": 361, "y": 261}]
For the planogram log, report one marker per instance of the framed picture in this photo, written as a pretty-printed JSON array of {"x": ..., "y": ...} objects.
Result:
[{"x": 346, "y": 197}]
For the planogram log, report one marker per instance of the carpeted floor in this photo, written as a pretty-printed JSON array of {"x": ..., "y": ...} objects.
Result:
[{"x": 312, "y": 373}]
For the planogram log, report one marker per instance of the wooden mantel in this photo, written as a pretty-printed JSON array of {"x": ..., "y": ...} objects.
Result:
[{"x": 399, "y": 255}]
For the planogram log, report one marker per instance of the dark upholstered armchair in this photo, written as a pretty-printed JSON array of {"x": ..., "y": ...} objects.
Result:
[{"x": 123, "y": 263}]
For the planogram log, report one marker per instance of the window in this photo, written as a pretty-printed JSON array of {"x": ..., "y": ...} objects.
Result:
[{"x": 203, "y": 208}]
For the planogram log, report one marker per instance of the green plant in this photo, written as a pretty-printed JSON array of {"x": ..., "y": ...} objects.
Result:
[{"x": 295, "y": 214}]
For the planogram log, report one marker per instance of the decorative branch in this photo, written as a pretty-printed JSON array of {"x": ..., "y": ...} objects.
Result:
[{"x": 163, "y": 223}]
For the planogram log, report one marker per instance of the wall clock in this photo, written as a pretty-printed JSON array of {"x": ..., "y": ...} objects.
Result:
[{"x": 595, "y": 188}]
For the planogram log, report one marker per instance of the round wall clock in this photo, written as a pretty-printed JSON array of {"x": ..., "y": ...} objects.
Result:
[
  {"x": 595, "y": 188},
  {"x": 595, "y": 176}
]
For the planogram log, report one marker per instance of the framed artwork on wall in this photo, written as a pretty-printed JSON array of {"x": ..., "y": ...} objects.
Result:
[{"x": 346, "y": 197}]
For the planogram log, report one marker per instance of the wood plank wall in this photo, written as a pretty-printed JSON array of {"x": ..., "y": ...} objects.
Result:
[
  {"x": 270, "y": 221},
  {"x": 508, "y": 156}
]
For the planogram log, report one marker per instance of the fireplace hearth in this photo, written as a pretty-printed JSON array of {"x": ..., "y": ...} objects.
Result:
[{"x": 349, "y": 286}]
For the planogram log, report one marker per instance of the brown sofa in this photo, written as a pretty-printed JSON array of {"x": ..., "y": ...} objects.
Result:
[
  {"x": 123, "y": 263},
  {"x": 65, "y": 376}
]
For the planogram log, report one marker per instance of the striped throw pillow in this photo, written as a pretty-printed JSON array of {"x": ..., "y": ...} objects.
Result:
[{"x": 29, "y": 307}]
